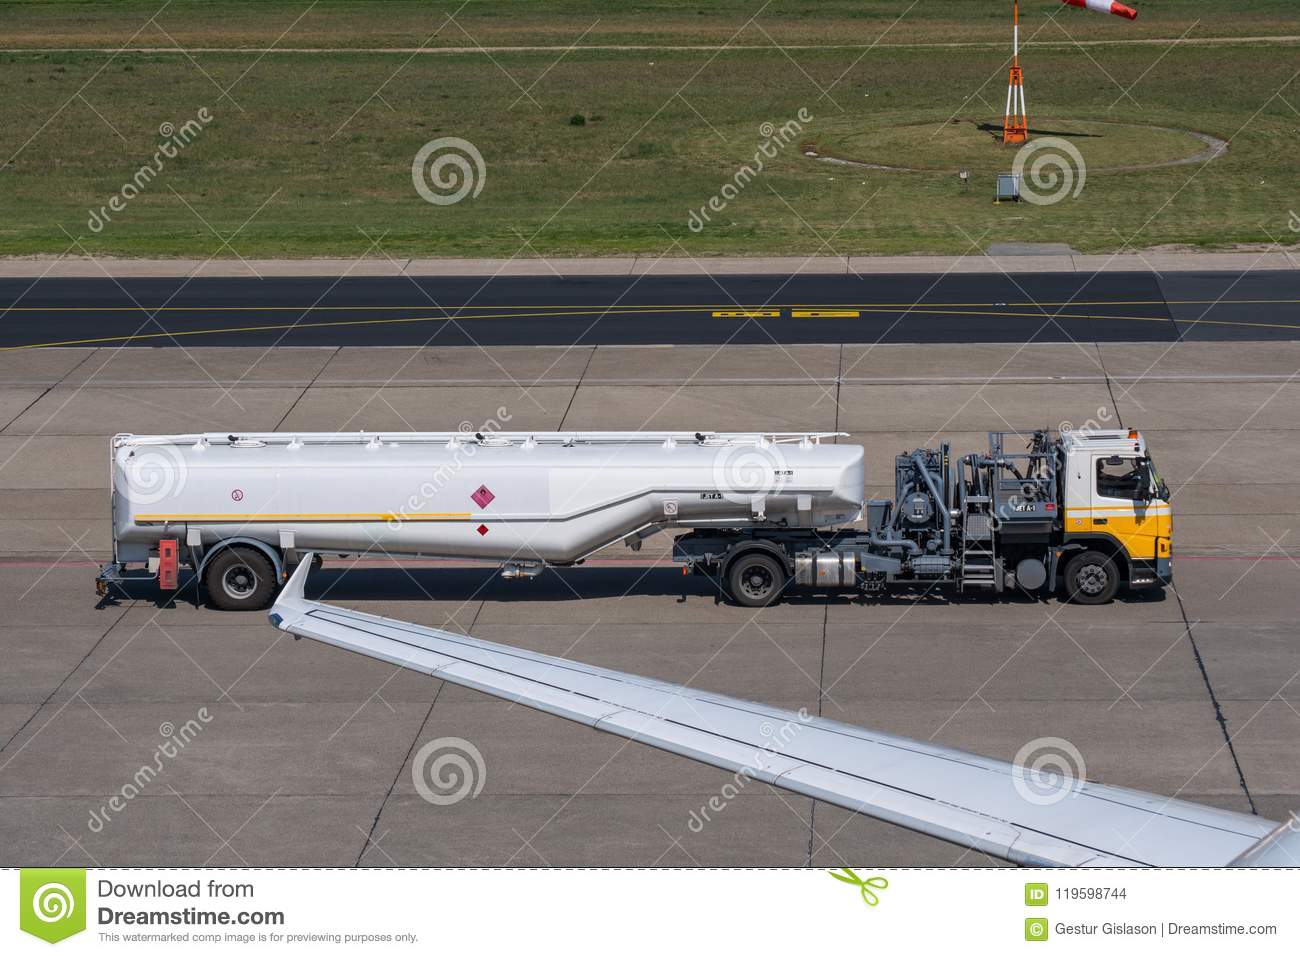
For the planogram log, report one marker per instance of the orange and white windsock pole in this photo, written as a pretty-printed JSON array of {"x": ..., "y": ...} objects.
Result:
[
  {"x": 1104, "y": 6},
  {"x": 1015, "y": 124}
]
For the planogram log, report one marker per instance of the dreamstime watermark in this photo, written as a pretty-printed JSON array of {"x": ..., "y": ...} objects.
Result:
[
  {"x": 746, "y": 474},
  {"x": 775, "y": 139},
  {"x": 461, "y": 449},
  {"x": 174, "y": 140},
  {"x": 448, "y": 169},
  {"x": 1293, "y": 221},
  {"x": 1047, "y": 770},
  {"x": 1050, "y": 169},
  {"x": 52, "y": 902},
  {"x": 1094, "y": 424},
  {"x": 153, "y": 473},
  {"x": 774, "y": 739},
  {"x": 448, "y": 770},
  {"x": 174, "y": 741}
]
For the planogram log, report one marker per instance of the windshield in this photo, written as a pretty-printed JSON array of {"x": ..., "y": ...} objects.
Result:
[
  {"x": 1119, "y": 478},
  {"x": 1131, "y": 478},
  {"x": 1158, "y": 487}
]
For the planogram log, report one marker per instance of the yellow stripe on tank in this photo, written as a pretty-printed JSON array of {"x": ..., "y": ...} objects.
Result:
[{"x": 263, "y": 517}]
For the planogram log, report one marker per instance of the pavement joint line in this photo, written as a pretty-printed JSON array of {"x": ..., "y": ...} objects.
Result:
[
  {"x": 821, "y": 692},
  {"x": 307, "y": 388},
  {"x": 577, "y": 386},
  {"x": 90, "y": 354},
  {"x": 57, "y": 688},
  {"x": 401, "y": 765},
  {"x": 27, "y": 408},
  {"x": 1219, "y": 716}
]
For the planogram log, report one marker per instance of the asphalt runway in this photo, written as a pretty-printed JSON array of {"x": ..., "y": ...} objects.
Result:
[
  {"x": 311, "y": 756},
  {"x": 651, "y": 310}
]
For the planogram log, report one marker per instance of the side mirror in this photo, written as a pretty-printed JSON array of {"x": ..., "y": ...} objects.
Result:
[{"x": 1144, "y": 481}]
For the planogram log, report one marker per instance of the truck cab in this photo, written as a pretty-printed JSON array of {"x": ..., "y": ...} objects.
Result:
[{"x": 1114, "y": 504}]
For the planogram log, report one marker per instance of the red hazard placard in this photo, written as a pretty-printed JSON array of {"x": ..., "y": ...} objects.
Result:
[{"x": 482, "y": 496}]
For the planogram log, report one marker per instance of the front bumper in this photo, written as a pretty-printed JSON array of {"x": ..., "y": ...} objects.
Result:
[{"x": 1152, "y": 574}]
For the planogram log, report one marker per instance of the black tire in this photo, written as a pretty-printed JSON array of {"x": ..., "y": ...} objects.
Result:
[
  {"x": 239, "y": 579},
  {"x": 755, "y": 580},
  {"x": 1091, "y": 578}
]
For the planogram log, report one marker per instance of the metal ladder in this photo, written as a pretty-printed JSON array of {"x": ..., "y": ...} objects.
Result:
[{"x": 979, "y": 560}]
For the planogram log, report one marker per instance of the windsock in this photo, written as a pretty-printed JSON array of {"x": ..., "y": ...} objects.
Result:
[{"x": 1105, "y": 6}]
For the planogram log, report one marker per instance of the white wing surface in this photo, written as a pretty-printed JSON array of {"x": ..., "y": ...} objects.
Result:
[{"x": 992, "y": 806}]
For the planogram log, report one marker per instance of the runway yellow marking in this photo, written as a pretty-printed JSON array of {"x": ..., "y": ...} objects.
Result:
[
  {"x": 824, "y": 314},
  {"x": 747, "y": 314}
]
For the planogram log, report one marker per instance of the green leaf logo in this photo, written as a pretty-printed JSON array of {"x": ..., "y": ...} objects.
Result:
[
  {"x": 52, "y": 902},
  {"x": 867, "y": 886}
]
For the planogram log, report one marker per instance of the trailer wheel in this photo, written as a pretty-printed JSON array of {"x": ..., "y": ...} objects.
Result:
[
  {"x": 755, "y": 580},
  {"x": 1091, "y": 578},
  {"x": 239, "y": 579}
]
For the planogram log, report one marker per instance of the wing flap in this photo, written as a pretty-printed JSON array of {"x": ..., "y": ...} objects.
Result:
[{"x": 964, "y": 798}]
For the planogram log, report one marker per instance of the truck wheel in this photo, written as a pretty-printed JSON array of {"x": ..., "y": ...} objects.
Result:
[
  {"x": 1091, "y": 578},
  {"x": 239, "y": 579},
  {"x": 755, "y": 580}
]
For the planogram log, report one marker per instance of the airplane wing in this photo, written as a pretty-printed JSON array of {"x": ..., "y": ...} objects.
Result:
[{"x": 977, "y": 802}]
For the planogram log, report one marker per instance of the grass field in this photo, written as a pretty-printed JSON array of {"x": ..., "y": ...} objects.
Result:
[
  {"x": 309, "y": 153},
  {"x": 360, "y": 24}
]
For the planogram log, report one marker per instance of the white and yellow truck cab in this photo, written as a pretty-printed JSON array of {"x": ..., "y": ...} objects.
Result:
[{"x": 1116, "y": 504}]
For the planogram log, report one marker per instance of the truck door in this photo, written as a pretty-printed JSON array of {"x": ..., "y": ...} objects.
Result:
[{"x": 1123, "y": 506}]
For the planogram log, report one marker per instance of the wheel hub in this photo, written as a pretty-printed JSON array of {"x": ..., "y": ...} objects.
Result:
[
  {"x": 239, "y": 581},
  {"x": 1092, "y": 579},
  {"x": 757, "y": 581}
]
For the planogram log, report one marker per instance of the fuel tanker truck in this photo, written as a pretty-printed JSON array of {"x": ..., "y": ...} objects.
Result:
[{"x": 1080, "y": 513}]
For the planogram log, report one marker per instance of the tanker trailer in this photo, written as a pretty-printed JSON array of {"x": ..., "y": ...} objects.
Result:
[{"x": 238, "y": 509}]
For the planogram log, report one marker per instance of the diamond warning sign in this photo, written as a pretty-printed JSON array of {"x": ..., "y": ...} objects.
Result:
[
  {"x": 482, "y": 496},
  {"x": 482, "y": 529}
]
